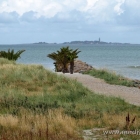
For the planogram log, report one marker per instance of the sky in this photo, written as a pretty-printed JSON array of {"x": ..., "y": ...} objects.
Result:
[{"x": 57, "y": 21}]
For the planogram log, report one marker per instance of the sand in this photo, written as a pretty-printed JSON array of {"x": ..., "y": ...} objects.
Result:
[{"x": 99, "y": 86}]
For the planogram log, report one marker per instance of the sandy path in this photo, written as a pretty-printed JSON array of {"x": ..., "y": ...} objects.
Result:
[{"x": 130, "y": 94}]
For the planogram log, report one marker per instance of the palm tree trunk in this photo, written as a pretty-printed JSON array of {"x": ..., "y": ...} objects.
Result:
[
  {"x": 71, "y": 67},
  {"x": 64, "y": 70}
]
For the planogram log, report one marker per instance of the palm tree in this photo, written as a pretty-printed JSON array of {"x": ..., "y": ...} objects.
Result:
[
  {"x": 54, "y": 57},
  {"x": 11, "y": 55},
  {"x": 58, "y": 62},
  {"x": 63, "y": 54},
  {"x": 63, "y": 57},
  {"x": 72, "y": 56}
]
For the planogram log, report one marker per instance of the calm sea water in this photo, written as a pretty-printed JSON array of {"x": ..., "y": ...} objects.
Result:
[{"x": 123, "y": 59}]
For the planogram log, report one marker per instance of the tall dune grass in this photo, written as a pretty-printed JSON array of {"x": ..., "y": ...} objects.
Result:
[{"x": 38, "y": 104}]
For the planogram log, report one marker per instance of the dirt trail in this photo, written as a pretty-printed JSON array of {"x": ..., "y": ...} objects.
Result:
[{"x": 130, "y": 94}]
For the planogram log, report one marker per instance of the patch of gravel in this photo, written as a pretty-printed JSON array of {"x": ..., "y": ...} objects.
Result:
[
  {"x": 129, "y": 94},
  {"x": 98, "y": 134}
]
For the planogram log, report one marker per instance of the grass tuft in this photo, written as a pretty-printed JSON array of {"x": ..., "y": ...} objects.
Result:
[{"x": 110, "y": 77}]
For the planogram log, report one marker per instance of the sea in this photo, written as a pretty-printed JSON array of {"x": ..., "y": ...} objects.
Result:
[{"x": 123, "y": 59}]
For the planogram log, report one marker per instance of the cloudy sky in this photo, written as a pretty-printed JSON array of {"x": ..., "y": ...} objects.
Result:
[{"x": 29, "y": 21}]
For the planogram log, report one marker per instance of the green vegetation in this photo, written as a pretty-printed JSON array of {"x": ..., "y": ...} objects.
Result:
[
  {"x": 63, "y": 58},
  {"x": 11, "y": 55},
  {"x": 110, "y": 77},
  {"x": 38, "y": 104}
]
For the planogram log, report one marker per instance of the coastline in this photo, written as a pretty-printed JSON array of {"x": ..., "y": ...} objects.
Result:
[{"x": 119, "y": 58}]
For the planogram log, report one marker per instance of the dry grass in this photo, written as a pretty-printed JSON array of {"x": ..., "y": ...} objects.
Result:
[
  {"x": 38, "y": 104},
  {"x": 8, "y": 121},
  {"x": 54, "y": 123}
]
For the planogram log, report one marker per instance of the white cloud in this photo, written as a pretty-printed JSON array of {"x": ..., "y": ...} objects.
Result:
[
  {"x": 90, "y": 4},
  {"x": 47, "y": 8},
  {"x": 118, "y": 8},
  {"x": 90, "y": 11},
  {"x": 50, "y": 7},
  {"x": 69, "y": 16}
]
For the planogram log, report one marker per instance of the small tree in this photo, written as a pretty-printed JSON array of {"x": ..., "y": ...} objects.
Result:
[
  {"x": 11, "y": 55},
  {"x": 63, "y": 57},
  {"x": 57, "y": 58},
  {"x": 72, "y": 56}
]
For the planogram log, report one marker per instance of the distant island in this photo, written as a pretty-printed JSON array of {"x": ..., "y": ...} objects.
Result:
[
  {"x": 95, "y": 42},
  {"x": 44, "y": 43},
  {"x": 87, "y": 42}
]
